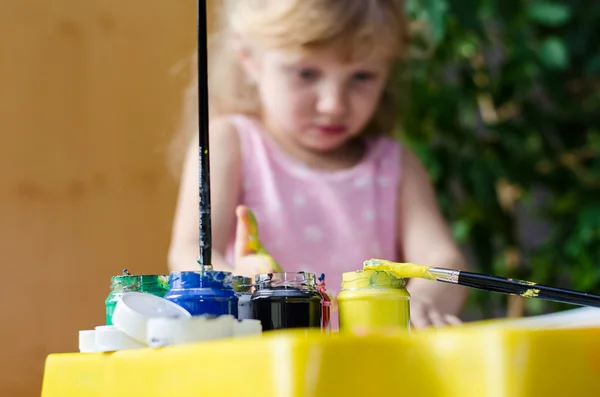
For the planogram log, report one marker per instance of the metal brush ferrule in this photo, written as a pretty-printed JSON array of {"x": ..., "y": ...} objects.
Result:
[{"x": 445, "y": 275}]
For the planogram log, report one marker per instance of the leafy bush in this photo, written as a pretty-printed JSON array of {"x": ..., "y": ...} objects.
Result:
[{"x": 505, "y": 113}]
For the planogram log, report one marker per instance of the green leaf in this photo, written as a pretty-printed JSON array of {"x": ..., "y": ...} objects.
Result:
[
  {"x": 549, "y": 13},
  {"x": 460, "y": 230},
  {"x": 468, "y": 47},
  {"x": 553, "y": 53},
  {"x": 437, "y": 11},
  {"x": 433, "y": 11},
  {"x": 594, "y": 140},
  {"x": 592, "y": 68}
]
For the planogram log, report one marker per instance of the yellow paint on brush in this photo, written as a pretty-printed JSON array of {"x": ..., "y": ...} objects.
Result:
[
  {"x": 527, "y": 282},
  {"x": 530, "y": 293},
  {"x": 399, "y": 270},
  {"x": 254, "y": 243}
]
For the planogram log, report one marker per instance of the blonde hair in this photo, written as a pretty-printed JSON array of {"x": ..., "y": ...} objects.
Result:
[{"x": 356, "y": 28}]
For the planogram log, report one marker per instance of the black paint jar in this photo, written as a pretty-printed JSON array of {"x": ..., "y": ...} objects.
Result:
[{"x": 286, "y": 300}]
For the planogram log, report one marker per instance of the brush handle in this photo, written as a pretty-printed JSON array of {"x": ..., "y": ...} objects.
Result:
[
  {"x": 204, "y": 220},
  {"x": 526, "y": 289}
]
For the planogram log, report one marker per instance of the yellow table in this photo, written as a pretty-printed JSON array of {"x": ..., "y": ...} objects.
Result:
[{"x": 465, "y": 361}]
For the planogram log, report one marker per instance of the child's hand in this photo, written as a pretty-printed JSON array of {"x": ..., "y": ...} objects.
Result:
[
  {"x": 248, "y": 262},
  {"x": 424, "y": 313},
  {"x": 253, "y": 264}
]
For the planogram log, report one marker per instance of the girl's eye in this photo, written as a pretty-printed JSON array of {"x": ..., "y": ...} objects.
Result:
[
  {"x": 363, "y": 76},
  {"x": 308, "y": 74}
]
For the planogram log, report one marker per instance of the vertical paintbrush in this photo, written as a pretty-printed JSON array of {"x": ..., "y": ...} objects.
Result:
[{"x": 205, "y": 236}]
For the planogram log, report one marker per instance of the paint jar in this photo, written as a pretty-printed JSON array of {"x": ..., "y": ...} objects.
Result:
[
  {"x": 150, "y": 283},
  {"x": 286, "y": 300},
  {"x": 373, "y": 300},
  {"x": 242, "y": 286},
  {"x": 326, "y": 304},
  {"x": 326, "y": 312},
  {"x": 208, "y": 293}
]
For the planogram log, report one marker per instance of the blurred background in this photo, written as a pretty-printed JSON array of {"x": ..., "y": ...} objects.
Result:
[
  {"x": 505, "y": 112},
  {"x": 502, "y": 103},
  {"x": 90, "y": 98}
]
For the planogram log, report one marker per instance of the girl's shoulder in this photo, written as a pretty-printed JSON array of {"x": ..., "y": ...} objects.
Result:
[
  {"x": 222, "y": 124},
  {"x": 233, "y": 123},
  {"x": 232, "y": 129},
  {"x": 239, "y": 121},
  {"x": 224, "y": 140}
]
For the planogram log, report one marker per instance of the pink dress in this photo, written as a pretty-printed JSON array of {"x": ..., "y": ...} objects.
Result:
[{"x": 320, "y": 221}]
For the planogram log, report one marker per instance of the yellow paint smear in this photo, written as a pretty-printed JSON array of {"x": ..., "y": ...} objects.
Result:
[
  {"x": 527, "y": 282},
  {"x": 530, "y": 293},
  {"x": 254, "y": 243},
  {"x": 399, "y": 270}
]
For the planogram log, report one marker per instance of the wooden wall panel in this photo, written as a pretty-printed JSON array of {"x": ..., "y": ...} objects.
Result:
[{"x": 88, "y": 102}]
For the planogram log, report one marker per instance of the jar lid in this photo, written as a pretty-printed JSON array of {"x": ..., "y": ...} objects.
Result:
[
  {"x": 242, "y": 283},
  {"x": 175, "y": 331},
  {"x": 286, "y": 277},
  {"x": 247, "y": 327},
  {"x": 134, "y": 309},
  {"x": 184, "y": 280},
  {"x": 109, "y": 338},
  {"x": 87, "y": 341},
  {"x": 138, "y": 281},
  {"x": 371, "y": 279}
]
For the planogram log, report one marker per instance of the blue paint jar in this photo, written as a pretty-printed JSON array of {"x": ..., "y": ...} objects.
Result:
[{"x": 209, "y": 293}]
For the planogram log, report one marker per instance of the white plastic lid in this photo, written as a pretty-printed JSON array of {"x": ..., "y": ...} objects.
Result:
[
  {"x": 134, "y": 309},
  {"x": 174, "y": 331},
  {"x": 108, "y": 338},
  {"x": 87, "y": 341},
  {"x": 247, "y": 327}
]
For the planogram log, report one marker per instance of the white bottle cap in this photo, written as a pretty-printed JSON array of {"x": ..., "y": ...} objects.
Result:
[
  {"x": 108, "y": 339},
  {"x": 175, "y": 331},
  {"x": 87, "y": 341},
  {"x": 224, "y": 324},
  {"x": 247, "y": 327},
  {"x": 134, "y": 309}
]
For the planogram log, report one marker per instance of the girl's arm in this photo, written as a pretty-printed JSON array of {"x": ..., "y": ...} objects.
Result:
[
  {"x": 225, "y": 183},
  {"x": 424, "y": 238}
]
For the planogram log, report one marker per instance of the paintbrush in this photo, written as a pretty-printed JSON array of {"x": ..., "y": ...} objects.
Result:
[
  {"x": 204, "y": 220},
  {"x": 484, "y": 282},
  {"x": 254, "y": 243}
]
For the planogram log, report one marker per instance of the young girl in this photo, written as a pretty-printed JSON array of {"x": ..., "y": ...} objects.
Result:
[{"x": 302, "y": 118}]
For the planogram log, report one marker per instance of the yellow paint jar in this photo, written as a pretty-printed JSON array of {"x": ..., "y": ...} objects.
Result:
[{"x": 373, "y": 300}]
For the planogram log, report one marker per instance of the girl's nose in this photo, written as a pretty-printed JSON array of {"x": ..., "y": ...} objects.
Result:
[{"x": 332, "y": 101}]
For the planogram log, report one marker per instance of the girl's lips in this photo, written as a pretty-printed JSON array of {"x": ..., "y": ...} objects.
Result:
[{"x": 332, "y": 129}]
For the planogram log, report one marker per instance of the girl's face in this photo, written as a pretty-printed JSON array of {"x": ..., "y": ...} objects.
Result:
[{"x": 316, "y": 101}]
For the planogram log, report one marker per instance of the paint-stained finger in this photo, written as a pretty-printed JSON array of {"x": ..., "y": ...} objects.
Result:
[
  {"x": 253, "y": 264},
  {"x": 241, "y": 247},
  {"x": 265, "y": 268},
  {"x": 275, "y": 267}
]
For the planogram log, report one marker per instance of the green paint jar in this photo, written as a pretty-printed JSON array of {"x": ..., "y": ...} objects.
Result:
[{"x": 154, "y": 284}]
